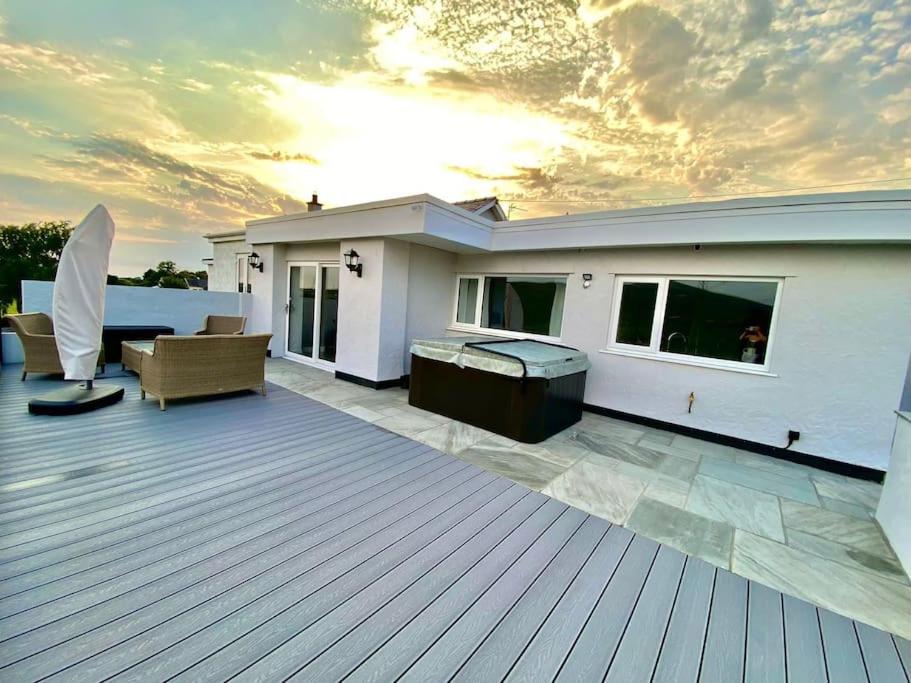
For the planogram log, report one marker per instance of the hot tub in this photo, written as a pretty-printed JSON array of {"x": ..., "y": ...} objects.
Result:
[{"x": 522, "y": 389}]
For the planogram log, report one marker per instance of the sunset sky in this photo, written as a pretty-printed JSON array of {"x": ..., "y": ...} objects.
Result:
[{"x": 191, "y": 117}]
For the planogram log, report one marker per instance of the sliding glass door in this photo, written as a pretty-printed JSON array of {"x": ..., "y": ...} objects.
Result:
[
  {"x": 328, "y": 312},
  {"x": 312, "y": 311}
]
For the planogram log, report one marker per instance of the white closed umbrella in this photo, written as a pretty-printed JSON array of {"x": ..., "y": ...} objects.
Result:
[
  {"x": 79, "y": 317},
  {"x": 79, "y": 294}
]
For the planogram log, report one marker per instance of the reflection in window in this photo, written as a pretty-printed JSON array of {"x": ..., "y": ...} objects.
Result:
[
  {"x": 328, "y": 313},
  {"x": 528, "y": 304},
  {"x": 466, "y": 308},
  {"x": 727, "y": 320},
  {"x": 637, "y": 313}
]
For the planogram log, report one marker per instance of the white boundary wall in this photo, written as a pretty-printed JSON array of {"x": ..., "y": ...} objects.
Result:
[{"x": 182, "y": 309}]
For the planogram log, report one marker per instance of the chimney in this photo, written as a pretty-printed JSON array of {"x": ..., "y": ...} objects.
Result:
[{"x": 313, "y": 204}]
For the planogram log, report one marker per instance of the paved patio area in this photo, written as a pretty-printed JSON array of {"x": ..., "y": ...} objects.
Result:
[
  {"x": 268, "y": 538},
  {"x": 803, "y": 531}
]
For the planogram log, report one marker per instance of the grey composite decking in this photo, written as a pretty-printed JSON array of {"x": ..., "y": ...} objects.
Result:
[{"x": 275, "y": 538}]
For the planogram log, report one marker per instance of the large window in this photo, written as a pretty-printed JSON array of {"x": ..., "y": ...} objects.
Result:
[
  {"x": 714, "y": 321},
  {"x": 522, "y": 304}
]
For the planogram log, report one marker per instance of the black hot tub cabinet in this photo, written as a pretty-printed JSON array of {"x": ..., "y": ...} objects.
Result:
[{"x": 522, "y": 389}]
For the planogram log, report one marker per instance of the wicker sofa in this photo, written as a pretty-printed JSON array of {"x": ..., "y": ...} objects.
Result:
[
  {"x": 36, "y": 334},
  {"x": 180, "y": 367},
  {"x": 223, "y": 324}
]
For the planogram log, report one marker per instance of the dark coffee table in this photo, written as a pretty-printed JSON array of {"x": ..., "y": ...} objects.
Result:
[{"x": 113, "y": 335}]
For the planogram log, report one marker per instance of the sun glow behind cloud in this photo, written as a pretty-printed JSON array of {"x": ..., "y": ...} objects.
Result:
[{"x": 374, "y": 138}]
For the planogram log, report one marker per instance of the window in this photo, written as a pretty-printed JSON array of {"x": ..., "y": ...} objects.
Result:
[
  {"x": 466, "y": 310},
  {"x": 637, "y": 313},
  {"x": 523, "y": 304},
  {"x": 725, "y": 322}
]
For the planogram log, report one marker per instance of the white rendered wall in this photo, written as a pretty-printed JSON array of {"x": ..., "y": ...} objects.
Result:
[
  {"x": 894, "y": 510},
  {"x": 838, "y": 360},
  {"x": 12, "y": 349},
  {"x": 223, "y": 272},
  {"x": 394, "y": 310},
  {"x": 372, "y": 311},
  {"x": 430, "y": 295},
  {"x": 182, "y": 309},
  {"x": 267, "y": 292}
]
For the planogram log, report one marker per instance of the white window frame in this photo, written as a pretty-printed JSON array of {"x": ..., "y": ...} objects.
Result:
[
  {"x": 476, "y": 327},
  {"x": 653, "y": 350}
]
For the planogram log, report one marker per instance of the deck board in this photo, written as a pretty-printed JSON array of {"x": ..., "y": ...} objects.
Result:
[
  {"x": 844, "y": 659},
  {"x": 880, "y": 655},
  {"x": 506, "y": 616},
  {"x": 594, "y": 649},
  {"x": 637, "y": 654},
  {"x": 681, "y": 652},
  {"x": 765, "y": 637},
  {"x": 725, "y": 640},
  {"x": 272, "y": 537}
]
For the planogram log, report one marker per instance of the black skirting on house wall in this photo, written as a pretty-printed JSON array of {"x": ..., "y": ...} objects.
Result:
[
  {"x": 372, "y": 384},
  {"x": 820, "y": 463}
]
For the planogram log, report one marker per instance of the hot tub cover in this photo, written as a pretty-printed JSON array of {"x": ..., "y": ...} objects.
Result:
[{"x": 541, "y": 360}]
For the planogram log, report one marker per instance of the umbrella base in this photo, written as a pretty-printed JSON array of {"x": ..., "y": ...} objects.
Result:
[{"x": 75, "y": 399}]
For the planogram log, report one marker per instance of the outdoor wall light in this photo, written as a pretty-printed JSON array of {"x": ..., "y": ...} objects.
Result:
[
  {"x": 353, "y": 262},
  {"x": 586, "y": 280},
  {"x": 254, "y": 261}
]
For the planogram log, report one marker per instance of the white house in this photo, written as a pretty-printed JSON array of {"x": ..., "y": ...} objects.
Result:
[{"x": 744, "y": 319}]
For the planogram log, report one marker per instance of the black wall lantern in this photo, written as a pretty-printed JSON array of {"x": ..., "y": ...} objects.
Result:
[
  {"x": 353, "y": 262},
  {"x": 254, "y": 261}
]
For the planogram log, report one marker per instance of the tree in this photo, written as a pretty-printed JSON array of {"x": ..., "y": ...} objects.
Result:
[
  {"x": 153, "y": 277},
  {"x": 29, "y": 252},
  {"x": 150, "y": 278},
  {"x": 167, "y": 268},
  {"x": 172, "y": 282}
]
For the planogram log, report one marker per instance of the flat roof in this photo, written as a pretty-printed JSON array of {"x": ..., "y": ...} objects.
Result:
[
  {"x": 834, "y": 199},
  {"x": 811, "y": 218}
]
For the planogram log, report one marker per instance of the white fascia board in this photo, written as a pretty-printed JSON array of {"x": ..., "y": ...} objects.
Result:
[
  {"x": 352, "y": 208},
  {"x": 858, "y": 218},
  {"x": 389, "y": 221},
  {"x": 233, "y": 236},
  {"x": 464, "y": 232},
  {"x": 419, "y": 217}
]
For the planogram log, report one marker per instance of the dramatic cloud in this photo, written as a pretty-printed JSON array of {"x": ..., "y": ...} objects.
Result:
[
  {"x": 278, "y": 155},
  {"x": 757, "y": 18},
  {"x": 201, "y": 192},
  {"x": 530, "y": 179},
  {"x": 196, "y": 118},
  {"x": 34, "y": 61}
]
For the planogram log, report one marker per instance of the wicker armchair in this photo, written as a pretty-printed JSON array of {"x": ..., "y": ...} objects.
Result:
[
  {"x": 223, "y": 324},
  {"x": 36, "y": 334},
  {"x": 180, "y": 367}
]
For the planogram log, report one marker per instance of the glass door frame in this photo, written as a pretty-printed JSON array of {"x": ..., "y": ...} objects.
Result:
[{"x": 314, "y": 360}]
